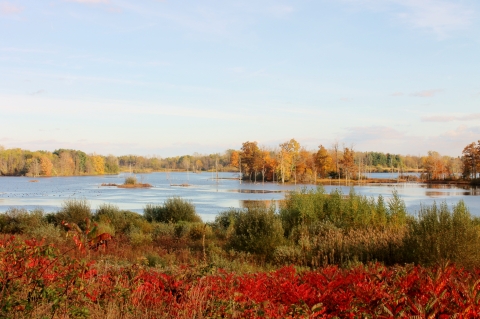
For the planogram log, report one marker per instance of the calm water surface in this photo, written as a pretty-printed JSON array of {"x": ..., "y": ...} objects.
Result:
[{"x": 207, "y": 194}]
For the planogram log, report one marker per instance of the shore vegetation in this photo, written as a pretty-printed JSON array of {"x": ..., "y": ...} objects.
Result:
[{"x": 317, "y": 255}]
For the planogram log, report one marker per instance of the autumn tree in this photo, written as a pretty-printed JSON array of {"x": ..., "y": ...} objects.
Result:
[
  {"x": 250, "y": 154},
  {"x": 347, "y": 162},
  {"x": 471, "y": 160},
  {"x": 235, "y": 159},
  {"x": 336, "y": 157},
  {"x": 283, "y": 163},
  {"x": 111, "y": 165},
  {"x": 263, "y": 162},
  {"x": 290, "y": 154},
  {"x": 65, "y": 164},
  {"x": 98, "y": 164},
  {"x": 34, "y": 166},
  {"x": 323, "y": 161},
  {"x": 434, "y": 166},
  {"x": 45, "y": 166},
  {"x": 198, "y": 164},
  {"x": 271, "y": 166},
  {"x": 304, "y": 166}
]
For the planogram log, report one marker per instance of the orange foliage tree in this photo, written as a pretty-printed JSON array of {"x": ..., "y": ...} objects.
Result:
[
  {"x": 434, "y": 166},
  {"x": 45, "y": 166},
  {"x": 471, "y": 160},
  {"x": 323, "y": 161},
  {"x": 235, "y": 159}
]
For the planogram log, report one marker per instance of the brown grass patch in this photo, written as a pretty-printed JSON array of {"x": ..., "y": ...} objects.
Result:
[{"x": 139, "y": 185}]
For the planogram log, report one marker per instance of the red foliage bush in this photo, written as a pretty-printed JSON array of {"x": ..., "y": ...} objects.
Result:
[{"x": 34, "y": 276}]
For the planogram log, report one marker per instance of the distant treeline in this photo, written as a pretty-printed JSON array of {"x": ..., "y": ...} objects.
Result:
[{"x": 289, "y": 162}]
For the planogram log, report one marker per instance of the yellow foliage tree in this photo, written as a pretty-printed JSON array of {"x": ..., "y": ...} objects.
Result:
[{"x": 98, "y": 164}]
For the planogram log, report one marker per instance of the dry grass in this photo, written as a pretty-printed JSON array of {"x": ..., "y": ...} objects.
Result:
[{"x": 138, "y": 185}]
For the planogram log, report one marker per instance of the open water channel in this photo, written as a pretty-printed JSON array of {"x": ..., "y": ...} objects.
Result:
[{"x": 209, "y": 195}]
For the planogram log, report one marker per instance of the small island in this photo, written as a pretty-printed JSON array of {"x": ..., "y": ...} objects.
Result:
[{"x": 130, "y": 182}]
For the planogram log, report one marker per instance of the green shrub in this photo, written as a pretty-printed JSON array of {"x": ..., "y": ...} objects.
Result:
[
  {"x": 181, "y": 229},
  {"x": 19, "y": 220},
  {"x": 227, "y": 218},
  {"x": 439, "y": 234},
  {"x": 198, "y": 230},
  {"x": 104, "y": 227},
  {"x": 163, "y": 230},
  {"x": 174, "y": 209},
  {"x": 354, "y": 211},
  {"x": 224, "y": 221},
  {"x": 138, "y": 238},
  {"x": 120, "y": 220},
  {"x": 49, "y": 232},
  {"x": 154, "y": 259},
  {"x": 74, "y": 211},
  {"x": 256, "y": 230}
]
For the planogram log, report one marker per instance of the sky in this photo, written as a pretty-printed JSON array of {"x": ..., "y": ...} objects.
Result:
[{"x": 169, "y": 78}]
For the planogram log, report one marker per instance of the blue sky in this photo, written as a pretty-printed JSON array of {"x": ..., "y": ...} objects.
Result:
[{"x": 176, "y": 77}]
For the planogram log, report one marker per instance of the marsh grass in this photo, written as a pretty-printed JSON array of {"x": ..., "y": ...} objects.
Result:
[
  {"x": 440, "y": 233},
  {"x": 351, "y": 211},
  {"x": 130, "y": 180}
]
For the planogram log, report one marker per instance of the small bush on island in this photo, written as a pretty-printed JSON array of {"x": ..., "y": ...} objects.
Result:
[{"x": 130, "y": 180}]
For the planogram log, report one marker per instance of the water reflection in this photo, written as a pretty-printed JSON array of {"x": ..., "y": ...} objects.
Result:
[
  {"x": 440, "y": 194},
  {"x": 255, "y": 191},
  {"x": 247, "y": 203}
]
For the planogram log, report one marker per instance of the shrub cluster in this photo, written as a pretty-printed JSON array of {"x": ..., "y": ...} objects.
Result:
[
  {"x": 311, "y": 228},
  {"x": 175, "y": 209}
]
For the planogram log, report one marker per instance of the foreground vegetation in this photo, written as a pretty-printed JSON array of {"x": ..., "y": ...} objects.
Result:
[{"x": 319, "y": 255}]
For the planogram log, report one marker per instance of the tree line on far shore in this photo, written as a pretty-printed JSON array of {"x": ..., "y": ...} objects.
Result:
[{"x": 289, "y": 162}]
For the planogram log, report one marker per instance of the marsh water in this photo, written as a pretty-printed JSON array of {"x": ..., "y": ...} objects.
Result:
[{"x": 209, "y": 194}]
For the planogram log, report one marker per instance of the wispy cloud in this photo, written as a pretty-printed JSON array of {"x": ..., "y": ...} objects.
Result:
[
  {"x": 372, "y": 133},
  {"x": 440, "y": 17},
  {"x": 37, "y": 92},
  {"x": 22, "y": 50},
  {"x": 281, "y": 10},
  {"x": 451, "y": 118},
  {"x": 9, "y": 8},
  {"x": 89, "y": 1},
  {"x": 427, "y": 93},
  {"x": 397, "y": 94},
  {"x": 387, "y": 139},
  {"x": 237, "y": 70}
]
